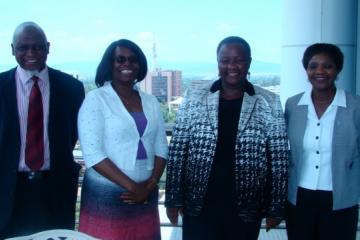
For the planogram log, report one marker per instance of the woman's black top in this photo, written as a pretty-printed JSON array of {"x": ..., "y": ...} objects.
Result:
[{"x": 221, "y": 196}]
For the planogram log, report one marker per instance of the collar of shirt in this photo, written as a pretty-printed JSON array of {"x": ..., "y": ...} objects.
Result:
[
  {"x": 25, "y": 75},
  {"x": 135, "y": 86},
  {"x": 339, "y": 99},
  {"x": 248, "y": 87}
]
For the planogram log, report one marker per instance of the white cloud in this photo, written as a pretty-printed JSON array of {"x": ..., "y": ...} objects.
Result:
[
  {"x": 266, "y": 51},
  {"x": 146, "y": 36},
  {"x": 224, "y": 28},
  {"x": 69, "y": 47},
  {"x": 99, "y": 22}
]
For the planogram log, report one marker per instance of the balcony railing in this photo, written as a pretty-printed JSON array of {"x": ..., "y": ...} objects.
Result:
[{"x": 175, "y": 234}]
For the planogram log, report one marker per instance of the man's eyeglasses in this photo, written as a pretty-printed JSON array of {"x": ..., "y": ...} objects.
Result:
[
  {"x": 123, "y": 60},
  {"x": 25, "y": 48}
]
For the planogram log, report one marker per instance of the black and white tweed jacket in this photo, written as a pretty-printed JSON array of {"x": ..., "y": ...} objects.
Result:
[{"x": 261, "y": 153}]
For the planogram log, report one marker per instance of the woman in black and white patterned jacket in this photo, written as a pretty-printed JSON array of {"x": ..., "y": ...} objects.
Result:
[{"x": 227, "y": 166}]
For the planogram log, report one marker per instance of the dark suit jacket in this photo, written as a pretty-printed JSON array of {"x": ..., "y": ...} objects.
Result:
[{"x": 66, "y": 96}]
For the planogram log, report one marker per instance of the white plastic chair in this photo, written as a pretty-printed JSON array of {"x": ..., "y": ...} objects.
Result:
[{"x": 57, "y": 234}]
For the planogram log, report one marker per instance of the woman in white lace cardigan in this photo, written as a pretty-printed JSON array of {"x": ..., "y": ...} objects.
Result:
[{"x": 122, "y": 136}]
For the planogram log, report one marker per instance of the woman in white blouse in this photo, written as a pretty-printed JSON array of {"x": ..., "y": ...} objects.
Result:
[
  {"x": 122, "y": 136},
  {"x": 323, "y": 126}
]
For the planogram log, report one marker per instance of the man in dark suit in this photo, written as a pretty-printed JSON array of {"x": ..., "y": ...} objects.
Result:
[{"x": 38, "y": 179}]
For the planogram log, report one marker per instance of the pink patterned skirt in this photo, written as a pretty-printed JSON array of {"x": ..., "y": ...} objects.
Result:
[{"x": 105, "y": 216}]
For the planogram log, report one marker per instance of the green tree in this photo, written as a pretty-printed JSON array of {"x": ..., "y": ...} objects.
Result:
[{"x": 168, "y": 113}]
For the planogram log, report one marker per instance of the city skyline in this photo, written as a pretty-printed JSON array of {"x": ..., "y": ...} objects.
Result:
[{"x": 183, "y": 31}]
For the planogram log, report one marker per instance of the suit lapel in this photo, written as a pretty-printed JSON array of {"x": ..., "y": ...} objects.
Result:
[
  {"x": 296, "y": 133},
  {"x": 11, "y": 107},
  {"x": 339, "y": 134},
  {"x": 246, "y": 110},
  {"x": 212, "y": 108},
  {"x": 300, "y": 116},
  {"x": 343, "y": 134},
  {"x": 52, "y": 113}
]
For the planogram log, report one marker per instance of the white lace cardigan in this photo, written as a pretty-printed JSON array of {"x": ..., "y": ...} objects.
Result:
[{"x": 106, "y": 129}]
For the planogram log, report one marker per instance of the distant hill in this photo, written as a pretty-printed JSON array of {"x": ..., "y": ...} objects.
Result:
[
  {"x": 210, "y": 69},
  {"x": 85, "y": 70}
]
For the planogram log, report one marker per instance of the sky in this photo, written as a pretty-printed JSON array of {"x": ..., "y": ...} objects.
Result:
[{"x": 182, "y": 30}]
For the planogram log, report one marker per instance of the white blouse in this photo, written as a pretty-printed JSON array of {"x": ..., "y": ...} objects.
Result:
[
  {"x": 316, "y": 172},
  {"x": 107, "y": 130}
]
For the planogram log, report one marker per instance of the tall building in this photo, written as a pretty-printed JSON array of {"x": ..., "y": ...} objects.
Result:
[
  {"x": 160, "y": 86},
  {"x": 176, "y": 80},
  {"x": 165, "y": 85}
]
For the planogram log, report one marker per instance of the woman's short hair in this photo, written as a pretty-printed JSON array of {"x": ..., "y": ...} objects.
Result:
[
  {"x": 104, "y": 70},
  {"x": 236, "y": 40},
  {"x": 331, "y": 50}
]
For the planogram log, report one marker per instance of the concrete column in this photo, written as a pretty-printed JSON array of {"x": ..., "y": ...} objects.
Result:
[
  {"x": 311, "y": 21},
  {"x": 357, "y": 69}
]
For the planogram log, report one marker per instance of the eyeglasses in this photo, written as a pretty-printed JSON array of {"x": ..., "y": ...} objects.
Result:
[
  {"x": 239, "y": 61},
  {"x": 123, "y": 60},
  {"x": 25, "y": 48}
]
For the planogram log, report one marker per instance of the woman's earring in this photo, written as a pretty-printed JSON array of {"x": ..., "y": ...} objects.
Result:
[{"x": 248, "y": 76}]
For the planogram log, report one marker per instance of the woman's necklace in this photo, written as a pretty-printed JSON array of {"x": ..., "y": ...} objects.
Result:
[
  {"x": 326, "y": 98},
  {"x": 326, "y": 101},
  {"x": 231, "y": 96},
  {"x": 323, "y": 102},
  {"x": 131, "y": 102},
  {"x": 125, "y": 101},
  {"x": 128, "y": 102}
]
